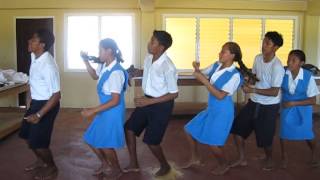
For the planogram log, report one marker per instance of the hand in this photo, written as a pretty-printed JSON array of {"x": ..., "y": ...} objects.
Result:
[
  {"x": 142, "y": 101},
  {"x": 247, "y": 89},
  {"x": 33, "y": 118},
  {"x": 87, "y": 112},
  {"x": 199, "y": 76},
  {"x": 133, "y": 72},
  {"x": 84, "y": 55},
  {"x": 196, "y": 65},
  {"x": 288, "y": 104}
]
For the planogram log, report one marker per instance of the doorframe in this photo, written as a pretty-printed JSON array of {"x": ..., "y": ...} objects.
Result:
[
  {"x": 15, "y": 35},
  {"x": 15, "y": 38}
]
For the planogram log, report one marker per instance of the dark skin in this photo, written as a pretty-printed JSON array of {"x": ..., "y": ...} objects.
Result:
[
  {"x": 45, "y": 160},
  {"x": 226, "y": 58},
  {"x": 156, "y": 49},
  {"x": 107, "y": 156},
  {"x": 294, "y": 65},
  {"x": 268, "y": 51}
]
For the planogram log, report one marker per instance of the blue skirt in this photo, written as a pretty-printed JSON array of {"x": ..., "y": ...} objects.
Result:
[
  {"x": 296, "y": 123},
  {"x": 106, "y": 131},
  {"x": 212, "y": 126}
]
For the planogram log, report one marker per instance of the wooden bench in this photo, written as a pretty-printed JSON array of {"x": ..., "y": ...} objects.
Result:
[{"x": 10, "y": 120}]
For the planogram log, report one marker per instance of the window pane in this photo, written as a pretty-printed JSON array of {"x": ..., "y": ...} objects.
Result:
[
  {"x": 82, "y": 35},
  {"x": 183, "y": 32},
  {"x": 120, "y": 29},
  {"x": 247, "y": 33},
  {"x": 214, "y": 32},
  {"x": 286, "y": 28}
]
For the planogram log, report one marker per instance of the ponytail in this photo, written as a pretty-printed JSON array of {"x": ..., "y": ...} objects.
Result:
[
  {"x": 234, "y": 48},
  {"x": 118, "y": 55},
  {"x": 110, "y": 43}
]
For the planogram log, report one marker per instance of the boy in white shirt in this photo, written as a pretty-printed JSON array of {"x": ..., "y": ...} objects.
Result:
[
  {"x": 43, "y": 106},
  {"x": 159, "y": 84},
  {"x": 261, "y": 112}
]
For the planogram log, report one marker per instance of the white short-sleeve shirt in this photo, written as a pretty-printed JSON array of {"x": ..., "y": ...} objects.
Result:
[
  {"x": 159, "y": 77},
  {"x": 312, "y": 89},
  {"x": 115, "y": 82},
  {"x": 232, "y": 85},
  {"x": 44, "y": 77},
  {"x": 270, "y": 75}
]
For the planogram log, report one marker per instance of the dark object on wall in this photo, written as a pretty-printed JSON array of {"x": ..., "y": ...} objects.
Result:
[{"x": 314, "y": 69}]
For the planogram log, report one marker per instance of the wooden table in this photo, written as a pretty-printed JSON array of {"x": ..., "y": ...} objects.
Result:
[{"x": 11, "y": 121}]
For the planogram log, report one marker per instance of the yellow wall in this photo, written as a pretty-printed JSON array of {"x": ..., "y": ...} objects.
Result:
[
  {"x": 312, "y": 32},
  {"x": 313, "y": 7},
  {"x": 311, "y": 39},
  {"x": 78, "y": 89}
]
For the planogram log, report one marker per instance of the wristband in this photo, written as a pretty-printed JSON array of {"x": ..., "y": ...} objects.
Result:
[{"x": 38, "y": 115}]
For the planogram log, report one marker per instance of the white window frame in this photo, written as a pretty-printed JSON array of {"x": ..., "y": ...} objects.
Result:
[
  {"x": 297, "y": 29},
  {"x": 66, "y": 15}
]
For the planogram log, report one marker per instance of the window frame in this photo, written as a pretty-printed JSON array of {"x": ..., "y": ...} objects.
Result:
[
  {"x": 296, "y": 34},
  {"x": 65, "y": 35}
]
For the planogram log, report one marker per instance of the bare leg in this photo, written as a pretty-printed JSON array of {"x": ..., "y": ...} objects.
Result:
[
  {"x": 110, "y": 155},
  {"x": 313, "y": 147},
  {"x": 164, "y": 165},
  {"x": 37, "y": 164},
  {"x": 104, "y": 163},
  {"x": 268, "y": 161},
  {"x": 50, "y": 169},
  {"x": 194, "y": 160},
  {"x": 131, "y": 143},
  {"x": 284, "y": 158},
  {"x": 240, "y": 145},
  {"x": 220, "y": 156}
]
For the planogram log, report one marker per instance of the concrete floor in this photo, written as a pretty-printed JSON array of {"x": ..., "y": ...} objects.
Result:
[{"x": 77, "y": 162}]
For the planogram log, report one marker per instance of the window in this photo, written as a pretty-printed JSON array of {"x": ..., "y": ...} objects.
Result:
[
  {"x": 184, "y": 43},
  {"x": 200, "y": 38},
  {"x": 85, "y": 32}
]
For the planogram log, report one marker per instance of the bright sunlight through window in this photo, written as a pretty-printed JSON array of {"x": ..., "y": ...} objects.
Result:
[{"x": 85, "y": 32}]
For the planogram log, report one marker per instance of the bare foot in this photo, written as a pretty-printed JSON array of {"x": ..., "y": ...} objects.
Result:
[
  {"x": 192, "y": 162},
  {"x": 164, "y": 170},
  {"x": 268, "y": 165},
  {"x": 239, "y": 162},
  {"x": 220, "y": 170},
  {"x": 113, "y": 174},
  {"x": 36, "y": 165},
  {"x": 131, "y": 168},
  {"x": 100, "y": 170},
  {"x": 48, "y": 172}
]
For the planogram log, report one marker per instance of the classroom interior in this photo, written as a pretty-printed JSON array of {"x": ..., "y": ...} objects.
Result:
[{"x": 198, "y": 27}]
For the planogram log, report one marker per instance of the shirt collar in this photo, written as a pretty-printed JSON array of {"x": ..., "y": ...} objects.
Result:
[
  {"x": 110, "y": 66},
  {"x": 162, "y": 58},
  {"x": 42, "y": 56},
  {"x": 230, "y": 68},
  {"x": 299, "y": 76}
]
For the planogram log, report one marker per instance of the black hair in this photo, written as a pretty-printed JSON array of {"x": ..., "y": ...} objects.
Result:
[
  {"x": 45, "y": 37},
  {"x": 110, "y": 43},
  {"x": 234, "y": 48},
  {"x": 299, "y": 54},
  {"x": 275, "y": 37},
  {"x": 164, "y": 38}
]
